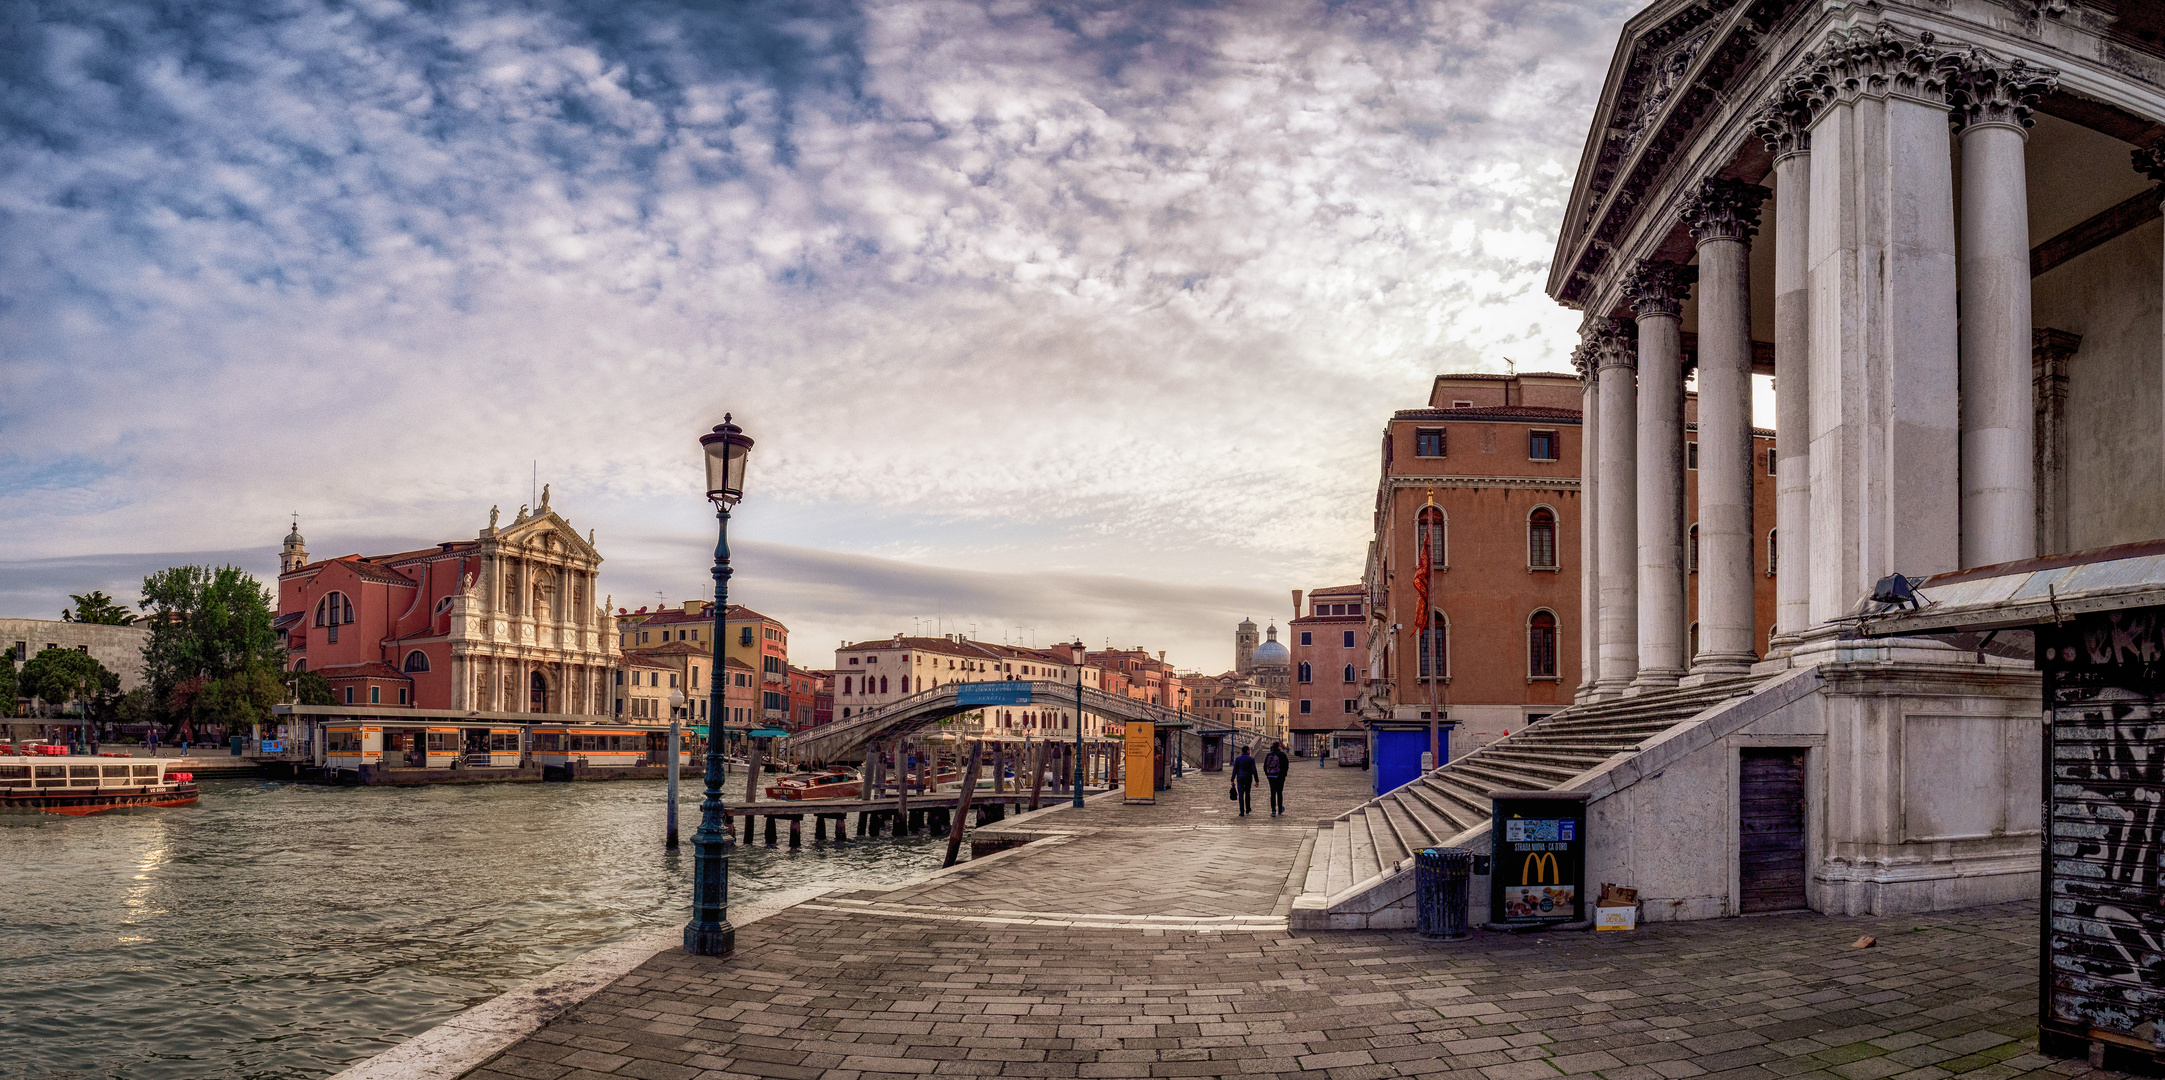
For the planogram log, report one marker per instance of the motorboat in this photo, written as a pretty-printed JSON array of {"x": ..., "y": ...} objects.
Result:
[{"x": 835, "y": 783}]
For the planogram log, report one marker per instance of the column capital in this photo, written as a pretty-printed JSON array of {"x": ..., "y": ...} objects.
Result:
[
  {"x": 1723, "y": 209},
  {"x": 1784, "y": 120},
  {"x": 1603, "y": 343},
  {"x": 1984, "y": 90},
  {"x": 1877, "y": 61},
  {"x": 1657, "y": 287},
  {"x": 2150, "y": 160}
]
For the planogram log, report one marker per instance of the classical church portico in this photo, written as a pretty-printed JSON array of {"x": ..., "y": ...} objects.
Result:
[{"x": 1935, "y": 227}]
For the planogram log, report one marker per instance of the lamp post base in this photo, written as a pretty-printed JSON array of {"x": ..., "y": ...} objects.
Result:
[{"x": 718, "y": 940}]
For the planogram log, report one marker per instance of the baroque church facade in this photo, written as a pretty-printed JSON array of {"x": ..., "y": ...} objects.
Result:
[{"x": 507, "y": 622}]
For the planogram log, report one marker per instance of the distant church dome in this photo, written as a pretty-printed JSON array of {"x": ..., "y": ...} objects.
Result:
[{"x": 1270, "y": 652}]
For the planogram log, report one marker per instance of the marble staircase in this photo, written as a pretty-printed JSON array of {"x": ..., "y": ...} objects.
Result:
[{"x": 1378, "y": 838}]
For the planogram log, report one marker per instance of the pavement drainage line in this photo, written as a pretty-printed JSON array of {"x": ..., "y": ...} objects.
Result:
[
  {"x": 475, "y": 1037},
  {"x": 1210, "y": 924}
]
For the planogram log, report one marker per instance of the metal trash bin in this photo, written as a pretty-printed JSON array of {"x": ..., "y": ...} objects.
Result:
[{"x": 1441, "y": 880}]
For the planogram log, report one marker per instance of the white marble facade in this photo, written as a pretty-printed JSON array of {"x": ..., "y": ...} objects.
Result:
[
  {"x": 1943, "y": 218},
  {"x": 528, "y": 634}
]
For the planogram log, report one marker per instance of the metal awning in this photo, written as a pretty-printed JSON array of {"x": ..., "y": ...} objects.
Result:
[{"x": 1991, "y": 608}]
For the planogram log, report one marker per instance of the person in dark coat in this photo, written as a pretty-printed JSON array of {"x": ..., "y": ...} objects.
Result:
[
  {"x": 1243, "y": 779},
  {"x": 1276, "y": 765}
]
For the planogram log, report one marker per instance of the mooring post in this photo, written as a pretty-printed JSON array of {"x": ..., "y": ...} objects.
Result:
[
  {"x": 770, "y": 830},
  {"x": 819, "y": 828},
  {"x": 902, "y": 785},
  {"x": 1037, "y": 773},
  {"x": 796, "y": 831},
  {"x": 962, "y": 802}
]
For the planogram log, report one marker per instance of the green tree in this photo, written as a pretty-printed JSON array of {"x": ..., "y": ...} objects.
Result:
[
  {"x": 96, "y": 607},
  {"x": 58, "y": 676},
  {"x": 8, "y": 686},
  {"x": 212, "y": 655},
  {"x": 311, "y": 688}
]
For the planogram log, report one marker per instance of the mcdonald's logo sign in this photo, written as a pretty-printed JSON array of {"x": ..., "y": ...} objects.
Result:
[{"x": 1540, "y": 869}]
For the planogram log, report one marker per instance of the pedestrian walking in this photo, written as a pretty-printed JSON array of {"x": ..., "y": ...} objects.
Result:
[
  {"x": 1276, "y": 765},
  {"x": 1244, "y": 779}
]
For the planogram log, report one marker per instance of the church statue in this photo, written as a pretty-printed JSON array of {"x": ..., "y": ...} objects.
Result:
[
  {"x": 492, "y": 516},
  {"x": 466, "y": 582},
  {"x": 544, "y": 497},
  {"x": 522, "y": 515}
]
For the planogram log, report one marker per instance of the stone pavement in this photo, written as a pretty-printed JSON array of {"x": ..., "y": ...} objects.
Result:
[
  {"x": 833, "y": 995},
  {"x": 1143, "y": 944},
  {"x": 1188, "y": 854}
]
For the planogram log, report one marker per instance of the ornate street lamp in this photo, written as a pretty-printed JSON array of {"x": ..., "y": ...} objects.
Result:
[{"x": 709, "y": 932}]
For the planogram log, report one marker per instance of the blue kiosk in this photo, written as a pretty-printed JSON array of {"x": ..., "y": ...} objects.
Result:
[{"x": 1397, "y": 746}]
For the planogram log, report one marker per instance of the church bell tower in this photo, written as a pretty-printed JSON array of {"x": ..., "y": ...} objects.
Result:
[
  {"x": 296, "y": 554},
  {"x": 1244, "y": 643}
]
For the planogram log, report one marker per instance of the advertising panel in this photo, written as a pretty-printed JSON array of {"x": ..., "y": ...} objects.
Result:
[
  {"x": 1138, "y": 752},
  {"x": 1539, "y": 858}
]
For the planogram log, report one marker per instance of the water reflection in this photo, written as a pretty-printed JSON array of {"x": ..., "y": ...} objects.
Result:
[{"x": 280, "y": 930}]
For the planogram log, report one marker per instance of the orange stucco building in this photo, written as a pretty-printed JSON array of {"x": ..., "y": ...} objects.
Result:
[{"x": 1488, "y": 476}]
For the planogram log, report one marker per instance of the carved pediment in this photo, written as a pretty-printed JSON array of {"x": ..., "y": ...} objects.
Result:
[{"x": 548, "y": 535}]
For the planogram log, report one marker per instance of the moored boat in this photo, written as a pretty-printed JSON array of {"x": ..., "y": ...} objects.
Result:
[
  {"x": 80, "y": 784},
  {"x": 834, "y": 783}
]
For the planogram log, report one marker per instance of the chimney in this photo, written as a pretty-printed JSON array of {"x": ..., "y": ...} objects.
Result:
[
  {"x": 695, "y": 607},
  {"x": 1296, "y": 603}
]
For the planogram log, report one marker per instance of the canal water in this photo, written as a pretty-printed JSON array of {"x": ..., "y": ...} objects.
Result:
[{"x": 288, "y": 930}]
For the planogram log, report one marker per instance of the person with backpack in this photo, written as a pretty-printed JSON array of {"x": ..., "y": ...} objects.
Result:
[
  {"x": 1243, "y": 779},
  {"x": 1276, "y": 765}
]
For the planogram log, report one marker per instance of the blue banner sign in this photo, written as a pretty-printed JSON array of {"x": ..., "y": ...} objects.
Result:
[{"x": 993, "y": 693}]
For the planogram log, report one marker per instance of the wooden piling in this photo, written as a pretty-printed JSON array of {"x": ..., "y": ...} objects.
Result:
[
  {"x": 770, "y": 830},
  {"x": 902, "y": 786},
  {"x": 796, "y": 831},
  {"x": 819, "y": 828},
  {"x": 962, "y": 803},
  {"x": 1037, "y": 774}
]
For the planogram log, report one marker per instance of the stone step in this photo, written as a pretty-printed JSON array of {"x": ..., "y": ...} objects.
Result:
[
  {"x": 1392, "y": 845},
  {"x": 1341, "y": 857},
  {"x": 1319, "y": 863},
  {"x": 1437, "y": 822},
  {"x": 1363, "y": 855}
]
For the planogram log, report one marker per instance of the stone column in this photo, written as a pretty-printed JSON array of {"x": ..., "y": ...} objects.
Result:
[
  {"x": 1783, "y": 125},
  {"x": 1586, "y": 358},
  {"x": 1723, "y": 216},
  {"x": 1991, "y": 105},
  {"x": 1885, "y": 429},
  {"x": 2050, "y": 350},
  {"x": 1618, "y": 514},
  {"x": 1657, "y": 294}
]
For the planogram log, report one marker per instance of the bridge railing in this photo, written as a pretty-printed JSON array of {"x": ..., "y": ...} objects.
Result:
[{"x": 928, "y": 707}]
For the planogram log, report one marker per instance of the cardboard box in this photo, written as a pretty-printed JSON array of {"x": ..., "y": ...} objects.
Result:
[{"x": 1616, "y": 917}]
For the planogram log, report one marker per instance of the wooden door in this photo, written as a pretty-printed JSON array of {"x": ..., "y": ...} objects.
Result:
[{"x": 1770, "y": 830}]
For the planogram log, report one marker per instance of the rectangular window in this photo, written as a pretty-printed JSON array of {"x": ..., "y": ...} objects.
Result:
[
  {"x": 1307, "y": 638},
  {"x": 349, "y": 695},
  {"x": 1541, "y": 445},
  {"x": 1462, "y": 404},
  {"x": 1349, "y": 639},
  {"x": 22, "y": 651},
  {"x": 402, "y": 695},
  {"x": 695, "y": 678},
  {"x": 1691, "y": 455},
  {"x": 1348, "y": 703},
  {"x": 1353, "y": 609},
  {"x": 1428, "y": 442},
  {"x": 375, "y": 695},
  {"x": 333, "y": 632},
  {"x": 771, "y": 700},
  {"x": 620, "y": 677},
  {"x": 672, "y": 679},
  {"x": 1306, "y": 706},
  {"x": 1770, "y": 461}
]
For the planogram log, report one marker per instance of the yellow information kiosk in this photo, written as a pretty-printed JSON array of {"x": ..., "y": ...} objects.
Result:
[{"x": 1139, "y": 761}]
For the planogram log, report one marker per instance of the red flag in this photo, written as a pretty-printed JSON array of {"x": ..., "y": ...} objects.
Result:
[{"x": 1423, "y": 570}]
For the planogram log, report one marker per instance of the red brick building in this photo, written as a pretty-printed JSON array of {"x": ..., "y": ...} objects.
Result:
[
  {"x": 1487, "y": 477},
  {"x": 1329, "y": 641}
]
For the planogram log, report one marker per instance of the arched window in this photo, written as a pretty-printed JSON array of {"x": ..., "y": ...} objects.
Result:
[
  {"x": 847, "y": 682},
  {"x": 1307, "y": 673},
  {"x": 1349, "y": 672},
  {"x": 415, "y": 661},
  {"x": 1433, "y": 537},
  {"x": 905, "y": 684},
  {"x": 1541, "y": 539},
  {"x": 1435, "y": 647},
  {"x": 883, "y": 684},
  {"x": 1770, "y": 552},
  {"x": 1541, "y": 646},
  {"x": 1693, "y": 557},
  {"x": 537, "y": 694}
]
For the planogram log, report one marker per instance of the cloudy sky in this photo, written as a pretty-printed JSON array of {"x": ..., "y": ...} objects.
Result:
[{"x": 1049, "y": 318}]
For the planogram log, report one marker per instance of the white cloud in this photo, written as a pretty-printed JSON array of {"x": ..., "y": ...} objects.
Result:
[{"x": 1122, "y": 291}]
